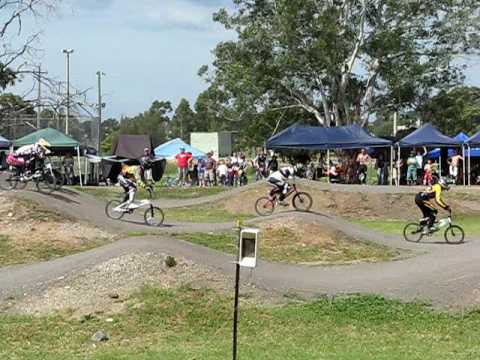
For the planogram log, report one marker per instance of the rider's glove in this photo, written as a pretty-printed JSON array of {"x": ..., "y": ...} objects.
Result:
[{"x": 447, "y": 208}]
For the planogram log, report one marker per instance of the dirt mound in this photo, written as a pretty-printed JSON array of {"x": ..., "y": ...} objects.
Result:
[
  {"x": 361, "y": 205},
  {"x": 29, "y": 232},
  {"x": 296, "y": 240}
]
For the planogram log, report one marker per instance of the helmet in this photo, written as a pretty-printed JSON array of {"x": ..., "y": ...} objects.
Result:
[
  {"x": 43, "y": 143},
  {"x": 288, "y": 171},
  {"x": 444, "y": 183}
]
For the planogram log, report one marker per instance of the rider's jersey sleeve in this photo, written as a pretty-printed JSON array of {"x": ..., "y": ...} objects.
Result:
[{"x": 437, "y": 189}]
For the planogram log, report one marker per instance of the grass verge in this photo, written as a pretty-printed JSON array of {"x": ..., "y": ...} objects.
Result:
[
  {"x": 196, "y": 324},
  {"x": 107, "y": 193},
  {"x": 285, "y": 246},
  {"x": 13, "y": 253},
  {"x": 208, "y": 213},
  {"x": 469, "y": 223}
]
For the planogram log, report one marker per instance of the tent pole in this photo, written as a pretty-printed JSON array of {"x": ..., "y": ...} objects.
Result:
[
  {"x": 440, "y": 163},
  {"x": 79, "y": 166},
  {"x": 391, "y": 165},
  {"x": 464, "y": 165},
  {"x": 398, "y": 166},
  {"x": 469, "y": 165},
  {"x": 86, "y": 170},
  {"x": 328, "y": 165}
]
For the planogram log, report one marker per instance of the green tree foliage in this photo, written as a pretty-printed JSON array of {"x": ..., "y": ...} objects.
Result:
[
  {"x": 339, "y": 61},
  {"x": 153, "y": 122},
  {"x": 184, "y": 121},
  {"x": 454, "y": 111}
]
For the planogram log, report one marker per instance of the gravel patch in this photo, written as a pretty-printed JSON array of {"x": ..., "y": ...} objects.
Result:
[{"x": 106, "y": 287}]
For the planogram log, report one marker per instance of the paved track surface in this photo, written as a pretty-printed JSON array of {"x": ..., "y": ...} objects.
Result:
[{"x": 445, "y": 275}]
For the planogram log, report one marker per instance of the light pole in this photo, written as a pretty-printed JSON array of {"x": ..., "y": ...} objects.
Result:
[
  {"x": 68, "y": 52},
  {"x": 100, "y": 106}
]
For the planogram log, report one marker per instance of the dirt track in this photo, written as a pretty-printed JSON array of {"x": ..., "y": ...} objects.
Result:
[{"x": 442, "y": 274}]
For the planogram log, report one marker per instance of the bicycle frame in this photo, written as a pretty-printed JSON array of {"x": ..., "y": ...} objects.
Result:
[{"x": 134, "y": 206}]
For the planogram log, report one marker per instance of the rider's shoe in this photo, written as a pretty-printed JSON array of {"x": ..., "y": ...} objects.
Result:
[{"x": 282, "y": 203}]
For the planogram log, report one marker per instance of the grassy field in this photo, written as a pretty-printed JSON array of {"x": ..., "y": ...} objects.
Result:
[
  {"x": 470, "y": 224},
  {"x": 207, "y": 213},
  {"x": 284, "y": 246},
  {"x": 12, "y": 253},
  {"x": 108, "y": 193},
  {"x": 196, "y": 324}
]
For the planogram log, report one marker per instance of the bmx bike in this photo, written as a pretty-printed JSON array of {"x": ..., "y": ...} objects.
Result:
[
  {"x": 153, "y": 215},
  {"x": 453, "y": 234},
  {"x": 44, "y": 178},
  {"x": 301, "y": 201}
]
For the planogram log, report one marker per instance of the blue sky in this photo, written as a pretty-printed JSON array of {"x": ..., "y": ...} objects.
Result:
[{"x": 149, "y": 49}]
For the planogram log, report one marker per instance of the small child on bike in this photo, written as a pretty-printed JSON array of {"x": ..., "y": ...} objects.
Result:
[
  {"x": 279, "y": 181},
  {"x": 422, "y": 200},
  {"x": 126, "y": 179}
]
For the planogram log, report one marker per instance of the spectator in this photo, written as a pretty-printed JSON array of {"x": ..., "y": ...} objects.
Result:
[
  {"x": 332, "y": 173},
  {"x": 272, "y": 165},
  {"x": 210, "y": 168},
  {"x": 412, "y": 169},
  {"x": 362, "y": 161},
  {"x": 68, "y": 165},
  {"x": 182, "y": 163},
  {"x": 420, "y": 162},
  {"x": 222, "y": 173},
  {"x": 454, "y": 165},
  {"x": 397, "y": 171},
  {"x": 201, "y": 172},
  {"x": 382, "y": 171},
  {"x": 146, "y": 163},
  {"x": 428, "y": 173}
]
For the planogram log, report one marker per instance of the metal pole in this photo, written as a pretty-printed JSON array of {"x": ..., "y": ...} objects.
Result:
[
  {"x": 67, "y": 115},
  {"x": 398, "y": 166},
  {"x": 235, "y": 307},
  {"x": 100, "y": 105},
  {"x": 440, "y": 163},
  {"x": 464, "y": 165},
  {"x": 469, "y": 164},
  {"x": 391, "y": 165},
  {"x": 79, "y": 166},
  {"x": 328, "y": 166}
]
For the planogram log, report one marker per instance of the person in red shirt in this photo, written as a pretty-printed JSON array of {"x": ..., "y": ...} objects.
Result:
[{"x": 183, "y": 157}]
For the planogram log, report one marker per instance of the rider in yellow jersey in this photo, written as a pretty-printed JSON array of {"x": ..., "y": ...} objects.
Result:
[{"x": 429, "y": 211}]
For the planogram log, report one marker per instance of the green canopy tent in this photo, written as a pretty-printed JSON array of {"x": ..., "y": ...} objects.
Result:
[{"x": 59, "y": 143}]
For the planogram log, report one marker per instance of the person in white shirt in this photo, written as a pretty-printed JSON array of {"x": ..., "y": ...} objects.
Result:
[
  {"x": 279, "y": 181},
  {"x": 222, "y": 172}
]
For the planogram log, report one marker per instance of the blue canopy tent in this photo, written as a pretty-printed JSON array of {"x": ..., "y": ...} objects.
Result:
[
  {"x": 171, "y": 148},
  {"x": 475, "y": 152},
  {"x": 4, "y": 143},
  {"x": 435, "y": 153},
  {"x": 428, "y": 135},
  {"x": 300, "y": 137},
  {"x": 319, "y": 138}
]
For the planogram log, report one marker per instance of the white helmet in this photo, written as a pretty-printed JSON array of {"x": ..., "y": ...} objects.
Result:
[{"x": 444, "y": 183}]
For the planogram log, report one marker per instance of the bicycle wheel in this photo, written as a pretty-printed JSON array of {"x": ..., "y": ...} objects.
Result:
[
  {"x": 413, "y": 232},
  {"x": 264, "y": 206},
  {"x": 154, "y": 216},
  {"x": 47, "y": 183},
  {"x": 8, "y": 180},
  {"x": 302, "y": 201},
  {"x": 454, "y": 234},
  {"x": 110, "y": 210}
]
